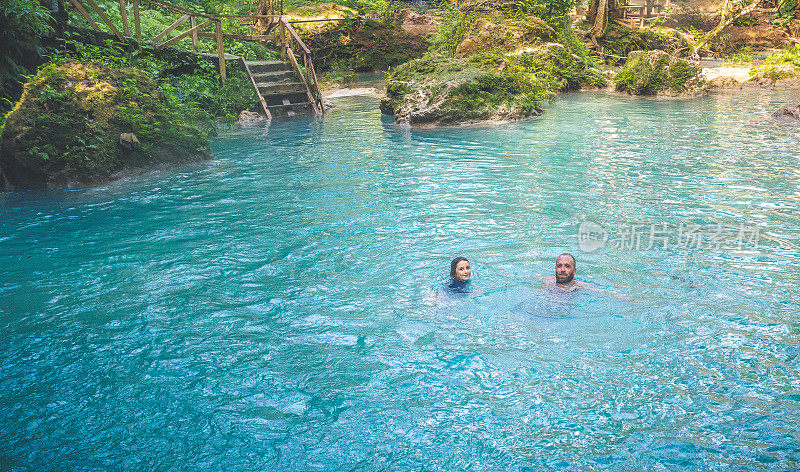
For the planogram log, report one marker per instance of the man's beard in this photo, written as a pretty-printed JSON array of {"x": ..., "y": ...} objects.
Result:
[{"x": 564, "y": 280}]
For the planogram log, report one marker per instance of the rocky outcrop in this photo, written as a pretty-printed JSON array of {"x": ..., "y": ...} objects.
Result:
[
  {"x": 788, "y": 113},
  {"x": 441, "y": 90},
  {"x": 80, "y": 124},
  {"x": 503, "y": 69},
  {"x": 659, "y": 73}
]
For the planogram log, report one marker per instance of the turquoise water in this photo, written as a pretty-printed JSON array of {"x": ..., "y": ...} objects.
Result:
[{"x": 276, "y": 308}]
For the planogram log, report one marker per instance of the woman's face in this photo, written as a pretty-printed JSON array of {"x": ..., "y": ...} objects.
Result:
[{"x": 463, "y": 272}]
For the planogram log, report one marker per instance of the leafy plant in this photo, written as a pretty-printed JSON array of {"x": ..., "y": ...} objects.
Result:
[
  {"x": 23, "y": 23},
  {"x": 780, "y": 65},
  {"x": 454, "y": 26},
  {"x": 786, "y": 12}
]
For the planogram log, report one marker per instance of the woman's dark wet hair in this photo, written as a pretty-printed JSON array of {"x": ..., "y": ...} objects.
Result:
[{"x": 453, "y": 265}]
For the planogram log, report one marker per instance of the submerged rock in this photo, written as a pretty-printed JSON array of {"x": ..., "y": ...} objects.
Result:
[
  {"x": 84, "y": 123},
  {"x": 789, "y": 113},
  {"x": 250, "y": 118},
  {"x": 659, "y": 73},
  {"x": 723, "y": 82}
]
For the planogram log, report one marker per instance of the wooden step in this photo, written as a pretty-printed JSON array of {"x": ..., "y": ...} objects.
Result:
[
  {"x": 267, "y": 66},
  {"x": 291, "y": 110},
  {"x": 282, "y": 99},
  {"x": 274, "y": 88},
  {"x": 274, "y": 76},
  {"x": 289, "y": 105}
]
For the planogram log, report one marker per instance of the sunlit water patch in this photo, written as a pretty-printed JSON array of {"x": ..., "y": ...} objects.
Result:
[{"x": 276, "y": 308}]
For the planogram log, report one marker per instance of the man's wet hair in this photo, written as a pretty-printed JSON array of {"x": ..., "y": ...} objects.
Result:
[{"x": 574, "y": 264}]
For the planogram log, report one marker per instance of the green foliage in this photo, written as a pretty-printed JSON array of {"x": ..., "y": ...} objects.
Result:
[
  {"x": 556, "y": 13},
  {"x": 780, "y": 65},
  {"x": 67, "y": 126},
  {"x": 22, "y": 25},
  {"x": 621, "y": 41},
  {"x": 743, "y": 57},
  {"x": 786, "y": 12},
  {"x": 366, "y": 6},
  {"x": 454, "y": 26},
  {"x": 746, "y": 20},
  {"x": 192, "y": 81},
  {"x": 652, "y": 72}
]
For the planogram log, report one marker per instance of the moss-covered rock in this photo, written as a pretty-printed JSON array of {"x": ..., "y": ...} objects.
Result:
[
  {"x": 504, "y": 68},
  {"x": 82, "y": 123},
  {"x": 437, "y": 89},
  {"x": 784, "y": 64},
  {"x": 620, "y": 41},
  {"x": 443, "y": 90},
  {"x": 657, "y": 72},
  {"x": 363, "y": 46}
]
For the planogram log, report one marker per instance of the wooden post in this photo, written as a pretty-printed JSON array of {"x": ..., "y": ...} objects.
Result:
[
  {"x": 220, "y": 52},
  {"x": 282, "y": 40},
  {"x": 123, "y": 13},
  {"x": 106, "y": 19},
  {"x": 194, "y": 33},
  {"x": 83, "y": 12},
  {"x": 136, "y": 24}
]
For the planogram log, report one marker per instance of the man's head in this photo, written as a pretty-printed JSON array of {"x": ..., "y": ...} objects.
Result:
[{"x": 565, "y": 268}]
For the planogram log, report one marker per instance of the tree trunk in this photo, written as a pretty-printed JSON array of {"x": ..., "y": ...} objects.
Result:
[
  {"x": 264, "y": 25},
  {"x": 732, "y": 10},
  {"x": 600, "y": 21}
]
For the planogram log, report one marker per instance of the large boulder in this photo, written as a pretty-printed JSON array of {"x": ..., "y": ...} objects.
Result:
[
  {"x": 441, "y": 90},
  {"x": 80, "y": 124},
  {"x": 659, "y": 73},
  {"x": 437, "y": 89}
]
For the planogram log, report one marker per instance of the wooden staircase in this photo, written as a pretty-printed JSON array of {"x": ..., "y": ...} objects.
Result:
[
  {"x": 281, "y": 94},
  {"x": 284, "y": 88}
]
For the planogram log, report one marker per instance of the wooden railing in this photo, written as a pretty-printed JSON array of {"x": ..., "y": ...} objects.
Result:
[
  {"x": 289, "y": 38},
  {"x": 201, "y": 25}
]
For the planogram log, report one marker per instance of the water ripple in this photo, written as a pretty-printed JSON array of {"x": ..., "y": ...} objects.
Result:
[{"x": 274, "y": 309}]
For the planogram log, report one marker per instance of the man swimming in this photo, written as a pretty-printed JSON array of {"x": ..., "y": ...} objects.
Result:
[{"x": 565, "y": 280}]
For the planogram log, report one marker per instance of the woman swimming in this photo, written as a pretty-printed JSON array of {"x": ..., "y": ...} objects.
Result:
[{"x": 460, "y": 273}]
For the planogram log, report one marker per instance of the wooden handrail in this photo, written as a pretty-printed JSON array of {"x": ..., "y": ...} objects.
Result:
[
  {"x": 171, "y": 27},
  {"x": 295, "y": 36},
  {"x": 299, "y": 72},
  {"x": 184, "y": 34},
  {"x": 244, "y": 37}
]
